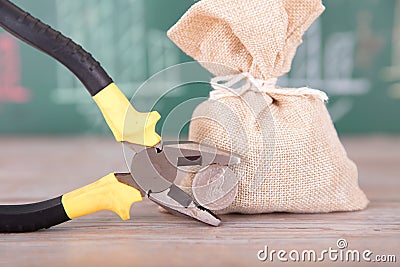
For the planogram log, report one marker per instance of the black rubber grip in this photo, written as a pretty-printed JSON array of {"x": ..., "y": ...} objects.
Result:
[
  {"x": 41, "y": 36},
  {"x": 32, "y": 217}
]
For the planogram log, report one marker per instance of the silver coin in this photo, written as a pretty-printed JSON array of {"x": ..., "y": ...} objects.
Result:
[{"x": 215, "y": 187}]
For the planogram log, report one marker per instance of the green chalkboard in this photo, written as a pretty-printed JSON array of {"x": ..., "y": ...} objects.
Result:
[{"x": 349, "y": 52}]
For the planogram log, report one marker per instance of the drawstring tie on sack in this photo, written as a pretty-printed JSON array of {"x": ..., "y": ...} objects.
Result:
[{"x": 237, "y": 85}]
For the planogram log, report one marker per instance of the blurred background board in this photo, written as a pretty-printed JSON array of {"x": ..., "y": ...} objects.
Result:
[{"x": 349, "y": 52}]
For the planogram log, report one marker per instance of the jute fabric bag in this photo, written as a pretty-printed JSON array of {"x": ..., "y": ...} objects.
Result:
[{"x": 292, "y": 158}]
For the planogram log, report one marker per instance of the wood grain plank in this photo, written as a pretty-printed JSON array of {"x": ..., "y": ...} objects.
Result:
[{"x": 33, "y": 169}]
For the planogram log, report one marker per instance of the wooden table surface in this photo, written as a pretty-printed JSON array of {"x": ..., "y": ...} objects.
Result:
[{"x": 33, "y": 169}]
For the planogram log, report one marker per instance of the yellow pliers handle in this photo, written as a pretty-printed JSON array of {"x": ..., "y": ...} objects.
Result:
[
  {"x": 108, "y": 193},
  {"x": 115, "y": 107},
  {"x": 126, "y": 123}
]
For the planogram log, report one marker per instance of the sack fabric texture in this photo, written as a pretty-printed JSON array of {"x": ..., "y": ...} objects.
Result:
[{"x": 291, "y": 157}]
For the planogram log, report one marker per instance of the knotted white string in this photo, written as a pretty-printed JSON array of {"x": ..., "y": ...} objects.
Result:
[{"x": 224, "y": 86}]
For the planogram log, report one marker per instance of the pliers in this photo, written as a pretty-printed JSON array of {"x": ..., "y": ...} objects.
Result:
[{"x": 153, "y": 168}]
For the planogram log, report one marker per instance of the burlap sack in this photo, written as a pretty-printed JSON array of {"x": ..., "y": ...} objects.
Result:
[{"x": 292, "y": 158}]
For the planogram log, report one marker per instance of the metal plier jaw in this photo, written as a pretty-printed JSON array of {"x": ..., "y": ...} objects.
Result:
[{"x": 155, "y": 169}]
